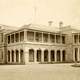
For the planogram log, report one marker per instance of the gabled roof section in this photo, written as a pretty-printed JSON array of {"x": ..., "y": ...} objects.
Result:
[
  {"x": 69, "y": 29},
  {"x": 7, "y": 29}
]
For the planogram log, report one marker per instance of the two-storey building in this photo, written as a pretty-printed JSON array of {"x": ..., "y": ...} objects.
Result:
[{"x": 37, "y": 44}]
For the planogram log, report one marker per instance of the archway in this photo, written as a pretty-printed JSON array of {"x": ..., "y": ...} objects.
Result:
[
  {"x": 46, "y": 55},
  {"x": 58, "y": 55},
  {"x": 8, "y": 56},
  {"x": 63, "y": 55},
  {"x": 21, "y": 56},
  {"x": 52, "y": 55},
  {"x": 12, "y": 56},
  {"x": 39, "y": 55},
  {"x": 76, "y": 54},
  {"x": 31, "y": 55},
  {"x": 17, "y": 56}
]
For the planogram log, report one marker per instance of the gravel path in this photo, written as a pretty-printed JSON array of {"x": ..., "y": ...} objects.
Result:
[{"x": 39, "y": 72}]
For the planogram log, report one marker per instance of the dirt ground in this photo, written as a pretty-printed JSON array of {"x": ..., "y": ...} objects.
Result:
[{"x": 39, "y": 72}]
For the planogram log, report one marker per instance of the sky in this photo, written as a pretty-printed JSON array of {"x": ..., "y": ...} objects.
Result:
[{"x": 21, "y": 12}]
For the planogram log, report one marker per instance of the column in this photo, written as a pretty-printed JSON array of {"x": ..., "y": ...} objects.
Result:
[
  {"x": 10, "y": 38},
  {"x": 14, "y": 57},
  {"x": 78, "y": 38},
  {"x": 7, "y": 57},
  {"x": 19, "y": 57},
  {"x": 34, "y": 36},
  {"x": 61, "y": 55},
  {"x": 35, "y": 56},
  {"x": 73, "y": 54},
  {"x": 19, "y": 36},
  {"x": 25, "y": 35},
  {"x": 42, "y": 56},
  {"x": 55, "y": 56},
  {"x": 55, "y": 38},
  {"x": 7, "y": 39},
  {"x": 73, "y": 38},
  {"x": 61, "y": 38},
  {"x": 78, "y": 55},
  {"x": 49, "y": 56},
  {"x": 14, "y": 38},
  {"x": 26, "y": 56},
  {"x": 2, "y": 38},
  {"x": 10, "y": 57},
  {"x": 48, "y": 37},
  {"x": 42, "y": 37}
]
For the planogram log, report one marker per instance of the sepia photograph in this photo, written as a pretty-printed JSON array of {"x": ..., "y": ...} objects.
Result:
[{"x": 39, "y": 39}]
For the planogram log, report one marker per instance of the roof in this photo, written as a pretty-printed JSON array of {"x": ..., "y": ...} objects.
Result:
[
  {"x": 41, "y": 27},
  {"x": 7, "y": 29},
  {"x": 69, "y": 28}
]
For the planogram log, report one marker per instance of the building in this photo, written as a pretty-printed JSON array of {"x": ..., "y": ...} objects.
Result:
[{"x": 37, "y": 44}]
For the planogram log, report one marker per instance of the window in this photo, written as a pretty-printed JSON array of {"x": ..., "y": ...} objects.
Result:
[
  {"x": 75, "y": 38},
  {"x": 45, "y": 37},
  {"x": 12, "y": 38},
  {"x": 63, "y": 39},
  {"x": 8, "y": 39},
  {"x": 30, "y": 36},
  {"x": 21, "y": 36},
  {"x": 38, "y": 37},
  {"x": 31, "y": 55},
  {"x": 1, "y": 37},
  {"x": 1, "y": 54},
  {"x": 57, "y": 38},
  {"x": 52, "y": 38},
  {"x": 17, "y": 37},
  {"x": 79, "y": 38}
]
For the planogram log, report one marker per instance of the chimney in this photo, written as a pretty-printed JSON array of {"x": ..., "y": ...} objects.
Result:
[
  {"x": 50, "y": 23},
  {"x": 60, "y": 24}
]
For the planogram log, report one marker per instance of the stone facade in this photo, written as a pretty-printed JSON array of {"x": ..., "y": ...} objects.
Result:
[{"x": 35, "y": 45}]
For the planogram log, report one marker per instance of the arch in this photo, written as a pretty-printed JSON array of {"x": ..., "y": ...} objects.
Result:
[
  {"x": 8, "y": 56},
  {"x": 39, "y": 55},
  {"x": 76, "y": 54},
  {"x": 12, "y": 55},
  {"x": 52, "y": 55},
  {"x": 31, "y": 55},
  {"x": 21, "y": 55},
  {"x": 45, "y": 55},
  {"x": 63, "y": 55},
  {"x": 58, "y": 55},
  {"x": 17, "y": 56}
]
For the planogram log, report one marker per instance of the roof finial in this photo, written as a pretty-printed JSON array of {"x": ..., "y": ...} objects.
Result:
[
  {"x": 60, "y": 24},
  {"x": 50, "y": 23}
]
